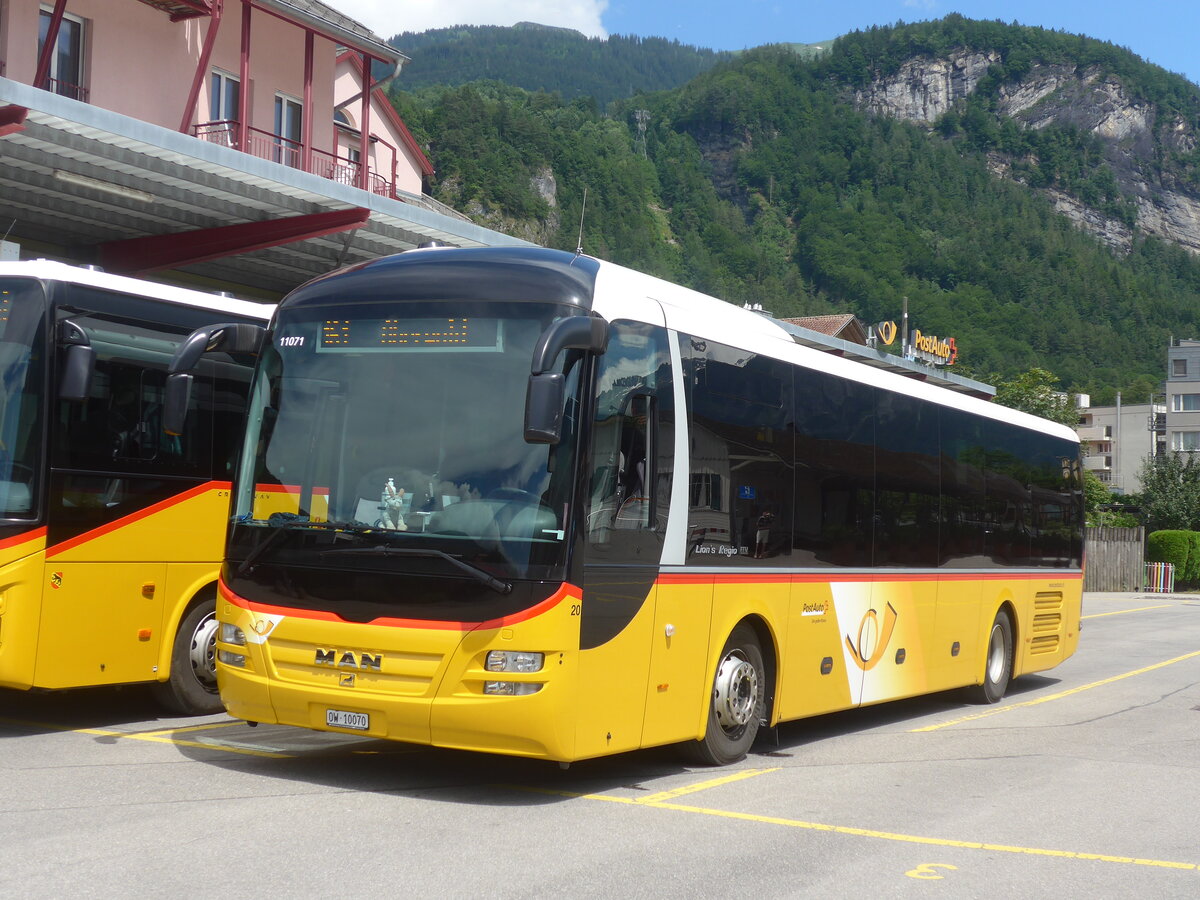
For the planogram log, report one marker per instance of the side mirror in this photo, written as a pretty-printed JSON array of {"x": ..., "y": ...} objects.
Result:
[
  {"x": 78, "y": 366},
  {"x": 547, "y": 390},
  {"x": 238, "y": 337},
  {"x": 79, "y": 363},
  {"x": 544, "y": 408},
  {"x": 176, "y": 397}
]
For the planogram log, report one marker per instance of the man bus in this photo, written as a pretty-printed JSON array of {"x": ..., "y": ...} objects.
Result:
[{"x": 628, "y": 515}]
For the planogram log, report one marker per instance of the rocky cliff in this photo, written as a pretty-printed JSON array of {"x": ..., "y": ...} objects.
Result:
[{"x": 1138, "y": 142}]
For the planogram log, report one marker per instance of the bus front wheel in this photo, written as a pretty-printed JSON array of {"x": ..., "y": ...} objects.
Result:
[
  {"x": 997, "y": 670},
  {"x": 738, "y": 703},
  {"x": 191, "y": 689}
]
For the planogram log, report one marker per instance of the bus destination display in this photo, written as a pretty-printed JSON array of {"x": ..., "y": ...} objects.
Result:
[{"x": 404, "y": 335}]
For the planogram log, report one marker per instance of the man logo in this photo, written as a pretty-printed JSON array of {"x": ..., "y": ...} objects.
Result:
[
  {"x": 346, "y": 679},
  {"x": 886, "y": 332},
  {"x": 346, "y": 659}
]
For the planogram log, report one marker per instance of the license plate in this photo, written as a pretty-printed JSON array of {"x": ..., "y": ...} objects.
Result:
[{"x": 340, "y": 718}]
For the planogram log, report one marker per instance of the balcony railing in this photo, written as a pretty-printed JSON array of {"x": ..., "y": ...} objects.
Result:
[
  {"x": 66, "y": 89},
  {"x": 274, "y": 147}
]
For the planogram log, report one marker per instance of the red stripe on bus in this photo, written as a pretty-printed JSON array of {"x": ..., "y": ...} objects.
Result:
[
  {"x": 287, "y": 489},
  {"x": 23, "y": 538},
  {"x": 857, "y": 577},
  {"x": 140, "y": 514},
  {"x": 567, "y": 590}
]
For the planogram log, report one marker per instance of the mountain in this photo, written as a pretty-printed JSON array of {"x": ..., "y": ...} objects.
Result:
[
  {"x": 554, "y": 60},
  {"x": 1033, "y": 193}
]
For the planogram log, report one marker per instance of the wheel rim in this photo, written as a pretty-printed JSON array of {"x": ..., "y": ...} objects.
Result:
[
  {"x": 996, "y": 655},
  {"x": 736, "y": 692},
  {"x": 203, "y": 652}
]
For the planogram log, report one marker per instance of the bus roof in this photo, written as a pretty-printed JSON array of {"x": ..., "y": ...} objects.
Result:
[{"x": 50, "y": 270}]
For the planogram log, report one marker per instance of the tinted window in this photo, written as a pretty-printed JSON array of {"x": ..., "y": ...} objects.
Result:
[
  {"x": 963, "y": 489},
  {"x": 907, "y": 482},
  {"x": 835, "y": 470}
]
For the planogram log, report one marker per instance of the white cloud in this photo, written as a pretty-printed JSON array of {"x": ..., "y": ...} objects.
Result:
[{"x": 387, "y": 17}]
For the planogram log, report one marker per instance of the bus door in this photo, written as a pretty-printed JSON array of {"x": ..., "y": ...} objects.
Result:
[{"x": 631, "y": 456}]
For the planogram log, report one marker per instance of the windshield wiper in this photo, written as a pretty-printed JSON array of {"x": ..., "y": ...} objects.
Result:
[
  {"x": 282, "y": 525},
  {"x": 500, "y": 587}
]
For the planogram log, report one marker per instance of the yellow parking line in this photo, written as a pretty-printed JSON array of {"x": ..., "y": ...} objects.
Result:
[
  {"x": 868, "y": 832},
  {"x": 703, "y": 785},
  {"x": 1058, "y": 696},
  {"x": 206, "y": 727},
  {"x": 156, "y": 737},
  {"x": 1121, "y": 612}
]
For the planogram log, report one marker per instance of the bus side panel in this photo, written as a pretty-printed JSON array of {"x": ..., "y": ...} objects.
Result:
[
  {"x": 959, "y": 615},
  {"x": 815, "y": 677},
  {"x": 1049, "y": 633},
  {"x": 679, "y": 652},
  {"x": 20, "y": 613},
  {"x": 100, "y": 623}
]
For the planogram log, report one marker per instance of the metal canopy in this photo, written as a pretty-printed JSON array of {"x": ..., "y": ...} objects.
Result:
[{"x": 74, "y": 177}]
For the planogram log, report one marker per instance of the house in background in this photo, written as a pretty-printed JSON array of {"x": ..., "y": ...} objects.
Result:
[
  {"x": 1119, "y": 439},
  {"x": 240, "y": 141}
]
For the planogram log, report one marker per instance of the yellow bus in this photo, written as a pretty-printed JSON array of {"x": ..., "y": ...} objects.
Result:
[
  {"x": 532, "y": 503},
  {"x": 110, "y": 531}
]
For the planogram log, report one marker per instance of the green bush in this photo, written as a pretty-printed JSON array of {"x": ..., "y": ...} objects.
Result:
[
  {"x": 1173, "y": 547},
  {"x": 1192, "y": 574}
]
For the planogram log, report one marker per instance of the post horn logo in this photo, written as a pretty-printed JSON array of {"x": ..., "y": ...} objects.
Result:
[
  {"x": 886, "y": 332},
  {"x": 872, "y": 639}
]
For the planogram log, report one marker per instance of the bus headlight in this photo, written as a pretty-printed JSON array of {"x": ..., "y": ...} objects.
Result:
[
  {"x": 232, "y": 659},
  {"x": 231, "y": 634},
  {"x": 511, "y": 688},
  {"x": 514, "y": 661}
]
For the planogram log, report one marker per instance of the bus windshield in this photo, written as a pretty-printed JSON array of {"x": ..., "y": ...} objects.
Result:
[
  {"x": 22, "y": 368},
  {"x": 393, "y": 435}
]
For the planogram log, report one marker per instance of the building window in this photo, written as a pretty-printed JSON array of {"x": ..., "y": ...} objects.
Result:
[
  {"x": 1185, "y": 403},
  {"x": 1185, "y": 441},
  {"x": 1179, "y": 367},
  {"x": 66, "y": 62},
  {"x": 289, "y": 118},
  {"x": 224, "y": 108}
]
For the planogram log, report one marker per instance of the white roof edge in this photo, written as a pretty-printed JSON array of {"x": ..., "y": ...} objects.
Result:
[
  {"x": 705, "y": 316},
  {"x": 51, "y": 270}
]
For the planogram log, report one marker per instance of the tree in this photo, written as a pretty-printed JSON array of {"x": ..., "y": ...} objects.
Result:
[
  {"x": 1095, "y": 496},
  {"x": 1036, "y": 392},
  {"x": 1171, "y": 492}
]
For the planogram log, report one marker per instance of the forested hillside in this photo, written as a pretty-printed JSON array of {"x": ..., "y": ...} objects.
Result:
[
  {"x": 769, "y": 179},
  {"x": 554, "y": 60}
]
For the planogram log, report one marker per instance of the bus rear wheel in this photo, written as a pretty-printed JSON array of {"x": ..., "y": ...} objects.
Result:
[
  {"x": 738, "y": 704},
  {"x": 191, "y": 689},
  {"x": 997, "y": 670}
]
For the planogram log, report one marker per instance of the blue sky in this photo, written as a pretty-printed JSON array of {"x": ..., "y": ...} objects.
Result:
[{"x": 1164, "y": 32}]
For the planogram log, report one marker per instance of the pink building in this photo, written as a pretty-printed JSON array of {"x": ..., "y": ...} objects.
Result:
[{"x": 259, "y": 95}]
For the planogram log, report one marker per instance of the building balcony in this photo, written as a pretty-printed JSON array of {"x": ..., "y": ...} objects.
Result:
[
  {"x": 286, "y": 152},
  {"x": 1097, "y": 463},
  {"x": 1093, "y": 433}
]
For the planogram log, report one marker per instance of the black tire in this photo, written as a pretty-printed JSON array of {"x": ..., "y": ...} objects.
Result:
[
  {"x": 738, "y": 702},
  {"x": 998, "y": 662},
  {"x": 191, "y": 689}
]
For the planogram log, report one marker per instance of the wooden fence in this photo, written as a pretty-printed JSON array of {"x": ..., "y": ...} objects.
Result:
[{"x": 1115, "y": 559}]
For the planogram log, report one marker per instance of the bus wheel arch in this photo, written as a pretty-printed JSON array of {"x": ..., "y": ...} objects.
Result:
[
  {"x": 743, "y": 688},
  {"x": 999, "y": 657},
  {"x": 191, "y": 685}
]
